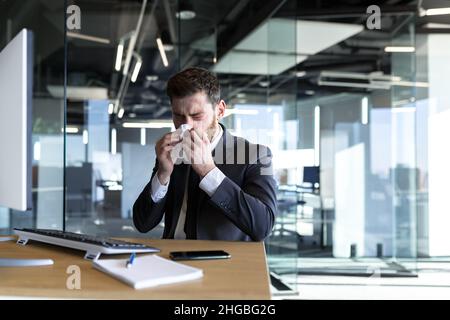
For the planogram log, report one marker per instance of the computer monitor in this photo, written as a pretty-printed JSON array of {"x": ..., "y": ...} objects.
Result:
[
  {"x": 16, "y": 74},
  {"x": 312, "y": 175}
]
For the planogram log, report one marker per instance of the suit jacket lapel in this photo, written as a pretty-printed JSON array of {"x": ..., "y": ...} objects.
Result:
[{"x": 225, "y": 148}]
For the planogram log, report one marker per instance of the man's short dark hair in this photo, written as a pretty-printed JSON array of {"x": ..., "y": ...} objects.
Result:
[{"x": 191, "y": 81}]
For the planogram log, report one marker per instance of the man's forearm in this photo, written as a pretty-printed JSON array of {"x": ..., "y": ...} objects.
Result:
[
  {"x": 147, "y": 213},
  {"x": 252, "y": 209}
]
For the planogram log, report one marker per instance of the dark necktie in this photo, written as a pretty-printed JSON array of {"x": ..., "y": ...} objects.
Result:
[{"x": 193, "y": 192}]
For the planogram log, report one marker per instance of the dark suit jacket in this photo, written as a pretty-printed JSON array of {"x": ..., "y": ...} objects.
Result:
[{"x": 243, "y": 207}]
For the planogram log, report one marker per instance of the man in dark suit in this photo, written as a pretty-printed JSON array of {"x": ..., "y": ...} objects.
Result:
[{"x": 223, "y": 189}]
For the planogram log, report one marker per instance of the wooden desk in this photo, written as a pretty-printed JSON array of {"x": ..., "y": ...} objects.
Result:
[{"x": 244, "y": 276}]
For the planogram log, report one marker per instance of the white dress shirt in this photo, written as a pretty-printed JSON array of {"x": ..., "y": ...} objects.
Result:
[{"x": 209, "y": 184}]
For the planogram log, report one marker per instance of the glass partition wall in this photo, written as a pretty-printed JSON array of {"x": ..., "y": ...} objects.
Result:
[
  {"x": 117, "y": 109},
  {"x": 356, "y": 175}
]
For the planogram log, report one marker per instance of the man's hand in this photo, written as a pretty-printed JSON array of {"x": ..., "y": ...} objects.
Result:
[
  {"x": 198, "y": 150},
  {"x": 163, "y": 148}
]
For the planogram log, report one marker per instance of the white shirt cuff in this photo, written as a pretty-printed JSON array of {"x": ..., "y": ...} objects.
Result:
[
  {"x": 158, "y": 190},
  {"x": 212, "y": 181}
]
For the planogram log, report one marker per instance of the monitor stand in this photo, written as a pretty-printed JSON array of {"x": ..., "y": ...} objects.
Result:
[
  {"x": 8, "y": 262},
  {"x": 24, "y": 262}
]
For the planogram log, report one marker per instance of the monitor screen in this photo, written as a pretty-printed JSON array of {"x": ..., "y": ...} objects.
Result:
[
  {"x": 15, "y": 122},
  {"x": 311, "y": 175}
]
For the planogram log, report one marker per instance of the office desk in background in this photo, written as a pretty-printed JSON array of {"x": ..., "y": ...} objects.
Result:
[{"x": 244, "y": 276}]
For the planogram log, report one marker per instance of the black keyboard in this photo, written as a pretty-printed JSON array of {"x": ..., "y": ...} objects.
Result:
[{"x": 93, "y": 245}]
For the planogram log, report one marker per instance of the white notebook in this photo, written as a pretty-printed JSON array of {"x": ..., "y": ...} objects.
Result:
[{"x": 148, "y": 271}]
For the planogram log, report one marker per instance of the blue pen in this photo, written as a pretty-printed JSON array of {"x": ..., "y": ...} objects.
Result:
[{"x": 131, "y": 260}]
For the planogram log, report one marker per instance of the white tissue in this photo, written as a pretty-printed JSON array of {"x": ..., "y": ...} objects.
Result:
[{"x": 177, "y": 154}]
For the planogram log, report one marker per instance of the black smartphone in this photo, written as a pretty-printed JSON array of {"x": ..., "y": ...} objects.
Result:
[{"x": 199, "y": 255}]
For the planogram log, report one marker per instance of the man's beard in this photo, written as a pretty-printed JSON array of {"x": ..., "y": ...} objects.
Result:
[{"x": 212, "y": 129}]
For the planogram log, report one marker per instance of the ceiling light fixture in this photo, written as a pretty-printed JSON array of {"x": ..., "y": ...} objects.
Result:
[
  {"x": 110, "y": 108},
  {"x": 85, "y": 136},
  {"x": 162, "y": 52},
  {"x": 143, "y": 136},
  {"x": 71, "y": 130},
  {"x": 78, "y": 93},
  {"x": 130, "y": 37},
  {"x": 364, "y": 110},
  {"x": 185, "y": 10},
  {"x": 151, "y": 125},
  {"x": 152, "y": 78},
  {"x": 436, "y": 26},
  {"x": 399, "y": 49},
  {"x": 137, "y": 67},
  {"x": 119, "y": 56},
  {"x": 437, "y": 11},
  {"x": 373, "y": 80},
  {"x": 264, "y": 83},
  {"x": 121, "y": 113}
]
